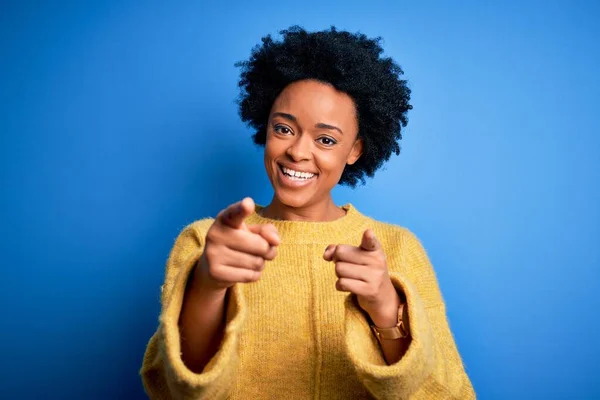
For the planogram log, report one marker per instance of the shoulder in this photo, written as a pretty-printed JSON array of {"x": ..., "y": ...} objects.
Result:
[
  {"x": 189, "y": 240},
  {"x": 200, "y": 227},
  {"x": 396, "y": 238},
  {"x": 392, "y": 231},
  {"x": 194, "y": 232},
  {"x": 405, "y": 253}
]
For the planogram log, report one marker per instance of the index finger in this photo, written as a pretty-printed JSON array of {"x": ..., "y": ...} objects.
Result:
[
  {"x": 369, "y": 241},
  {"x": 234, "y": 215}
]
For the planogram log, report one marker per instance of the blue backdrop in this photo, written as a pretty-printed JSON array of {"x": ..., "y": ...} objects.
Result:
[{"x": 118, "y": 127}]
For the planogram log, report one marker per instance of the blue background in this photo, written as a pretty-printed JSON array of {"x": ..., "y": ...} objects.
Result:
[{"x": 118, "y": 127}]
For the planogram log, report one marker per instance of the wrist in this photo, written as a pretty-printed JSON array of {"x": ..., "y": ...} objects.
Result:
[
  {"x": 201, "y": 291},
  {"x": 386, "y": 316}
]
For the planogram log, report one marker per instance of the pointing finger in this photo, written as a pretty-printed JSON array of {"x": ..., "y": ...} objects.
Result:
[
  {"x": 348, "y": 253},
  {"x": 234, "y": 215},
  {"x": 369, "y": 241}
]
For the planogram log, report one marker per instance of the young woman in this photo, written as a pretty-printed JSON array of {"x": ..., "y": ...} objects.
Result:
[{"x": 301, "y": 298}]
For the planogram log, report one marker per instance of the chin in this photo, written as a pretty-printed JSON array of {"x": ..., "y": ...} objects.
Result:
[{"x": 294, "y": 200}]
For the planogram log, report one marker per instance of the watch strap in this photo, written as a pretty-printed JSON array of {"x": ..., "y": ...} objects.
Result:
[{"x": 399, "y": 331}]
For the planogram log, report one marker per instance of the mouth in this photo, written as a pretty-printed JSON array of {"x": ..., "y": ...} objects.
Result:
[{"x": 292, "y": 178}]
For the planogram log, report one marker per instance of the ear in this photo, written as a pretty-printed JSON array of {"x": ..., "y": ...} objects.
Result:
[{"x": 356, "y": 152}]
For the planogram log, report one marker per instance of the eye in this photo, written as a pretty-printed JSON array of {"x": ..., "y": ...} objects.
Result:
[
  {"x": 284, "y": 130},
  {"x": 327, "y": 141}
]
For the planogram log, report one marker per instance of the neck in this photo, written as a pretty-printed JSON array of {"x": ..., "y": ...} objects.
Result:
[{"x": 323, "y": 211}]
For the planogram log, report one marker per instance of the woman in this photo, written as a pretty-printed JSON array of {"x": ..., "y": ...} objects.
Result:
[{"x": 302, "y": 298}]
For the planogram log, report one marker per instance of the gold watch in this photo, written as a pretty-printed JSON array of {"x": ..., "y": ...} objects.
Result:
[{"x": 400, "y": 331}]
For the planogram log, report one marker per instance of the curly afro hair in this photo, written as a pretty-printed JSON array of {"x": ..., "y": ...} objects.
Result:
[{"x": 353, "y": 64}]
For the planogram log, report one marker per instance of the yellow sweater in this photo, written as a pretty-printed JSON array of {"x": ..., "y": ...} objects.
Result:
[{"x": 292, "y": 335}]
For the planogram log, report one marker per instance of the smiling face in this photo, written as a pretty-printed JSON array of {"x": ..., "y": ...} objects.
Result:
[{"x": 311, "y": 136}]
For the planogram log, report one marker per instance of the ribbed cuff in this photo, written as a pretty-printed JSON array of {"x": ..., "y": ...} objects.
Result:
[
  {"x": 401, "y": 379},
  {"x": 217, "y": 377}
]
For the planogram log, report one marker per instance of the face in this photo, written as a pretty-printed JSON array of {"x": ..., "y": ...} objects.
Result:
[{"x": 311, "y": 136}]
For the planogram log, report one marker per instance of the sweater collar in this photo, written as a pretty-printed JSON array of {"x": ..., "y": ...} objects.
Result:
[{"x": 305, "y": 232}]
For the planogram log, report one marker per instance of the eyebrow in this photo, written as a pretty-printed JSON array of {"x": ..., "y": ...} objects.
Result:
[
  {"x": 285, "y": 116},
  {"x": 320, "y": 125},
  {"x": 330, "y": 127}
]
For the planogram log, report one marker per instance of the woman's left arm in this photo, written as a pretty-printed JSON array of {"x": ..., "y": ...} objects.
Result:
[{"x": 427, "y": 364}]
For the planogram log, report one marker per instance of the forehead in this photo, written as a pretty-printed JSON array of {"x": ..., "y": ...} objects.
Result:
[{"x": 313, "y": 102}]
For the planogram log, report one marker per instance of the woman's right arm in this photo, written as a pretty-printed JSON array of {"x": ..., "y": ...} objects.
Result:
[{"x": 193, "y": 353}]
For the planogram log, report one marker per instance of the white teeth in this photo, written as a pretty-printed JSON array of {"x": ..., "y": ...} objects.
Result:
[{"x": 297, "y": 174}]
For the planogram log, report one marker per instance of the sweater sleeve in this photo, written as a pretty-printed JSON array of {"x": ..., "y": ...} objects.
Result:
[
  {"x": 163, "y": 372},
  {"x": 431, "y": 368}
]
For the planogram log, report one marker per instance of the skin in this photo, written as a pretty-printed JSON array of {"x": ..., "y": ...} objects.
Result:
[{"x": 312, "y": 128}]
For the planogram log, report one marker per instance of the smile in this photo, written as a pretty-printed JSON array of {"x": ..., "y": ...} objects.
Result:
[
  {"x": 296, "y": 175},
  {"x": 292, "y": 179}
]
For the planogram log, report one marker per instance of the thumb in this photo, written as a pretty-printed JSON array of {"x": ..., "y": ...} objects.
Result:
[
  {"x": 369, "y": 241},
  {"x": 329, "y": 252},
  {"x": 268, "y": 232}
]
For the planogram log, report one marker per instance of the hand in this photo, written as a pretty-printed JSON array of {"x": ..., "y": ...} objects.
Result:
[
  {"x": 363, "y": 272},
  {"x": 235, "y": 252}
]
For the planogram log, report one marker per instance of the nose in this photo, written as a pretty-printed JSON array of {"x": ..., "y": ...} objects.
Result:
[{"x": 300, "y": 148}]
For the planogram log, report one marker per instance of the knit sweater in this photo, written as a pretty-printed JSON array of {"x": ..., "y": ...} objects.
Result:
[{"x": 292, "y": 335}]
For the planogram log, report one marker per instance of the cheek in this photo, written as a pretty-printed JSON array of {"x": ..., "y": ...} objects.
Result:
[
  {"x": 269, "y": 149},
  {"x": 332, "y": 163},
  {"x": 273, "y": 150}
]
